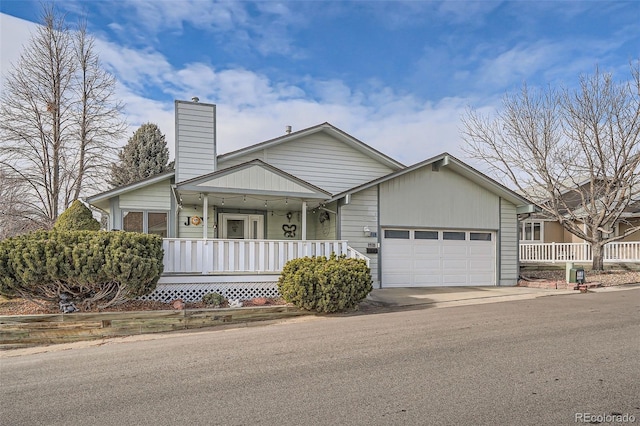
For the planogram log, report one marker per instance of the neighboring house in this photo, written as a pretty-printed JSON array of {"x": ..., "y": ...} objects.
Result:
[
  {"x": 231, "y": 221},
  {"x": 539, "y": 228},
  {"x": 544, "y": 239}
]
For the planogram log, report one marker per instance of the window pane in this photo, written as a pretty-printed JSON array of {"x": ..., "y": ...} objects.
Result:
[
  {"x": 536, "y": 231},
  {"x": 392, "y": 233},
  {"x": 480, "y": 236},
  {"x": 158, "y": 224},
  {"x": 235, "y": 228},
  {"x": 527, "y": 231},
  {"x": 426, "y": 235},
  {"x": 459, "y": 236},
  {"x": 132, "y": 221}
]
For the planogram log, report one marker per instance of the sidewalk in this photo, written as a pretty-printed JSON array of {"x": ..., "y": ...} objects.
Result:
[{"x": 458, "y": 296}]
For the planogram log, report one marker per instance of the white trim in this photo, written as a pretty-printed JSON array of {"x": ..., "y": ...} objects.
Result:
[
  {"x": 249, "y": 222},
  {"x": 522, "y": 231}
]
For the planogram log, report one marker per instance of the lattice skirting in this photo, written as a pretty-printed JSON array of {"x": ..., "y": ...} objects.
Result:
[{"x": 194, "y": 292}]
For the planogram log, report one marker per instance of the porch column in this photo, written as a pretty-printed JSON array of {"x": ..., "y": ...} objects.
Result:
[
  {"x": 205, "y": 215},
  {"x": 304, "y": 221}
]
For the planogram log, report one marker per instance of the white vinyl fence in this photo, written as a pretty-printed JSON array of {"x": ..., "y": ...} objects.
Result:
[{"x": 578, "y": 252}]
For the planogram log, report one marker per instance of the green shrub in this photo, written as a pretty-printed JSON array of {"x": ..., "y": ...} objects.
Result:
[
  {"x": 325, "y": 285},
  {"x": 91, "y": 266},
  {"x": 77, "y": 217},
  {"x": 214, "y": 299}
]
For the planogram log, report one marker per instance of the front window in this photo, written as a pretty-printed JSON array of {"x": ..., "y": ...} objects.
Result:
[
  {"x": 133, "y": 221},
  {"x": 145, "y": 222},
  {"x": 531, "y": 231},
  {"x": 157, "y": 224}
]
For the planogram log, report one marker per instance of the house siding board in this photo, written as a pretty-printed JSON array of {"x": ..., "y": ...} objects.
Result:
[
  {"x": 508, "y": 244},
  {"x": 442, "y": 199},
  {"x": 360, "y": 212},
  {"x": 277, "y": 220},
  {"x": 195, "y": 231},
  {"x": 152, "y": 197},
  {"x": 195, "y": 140},
  {"x": 320, "y": 160}
]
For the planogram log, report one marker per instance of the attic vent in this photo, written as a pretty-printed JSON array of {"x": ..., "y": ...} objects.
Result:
[
  {"x": 287, "y": 129},
  {"x": 195, "y": 99}
]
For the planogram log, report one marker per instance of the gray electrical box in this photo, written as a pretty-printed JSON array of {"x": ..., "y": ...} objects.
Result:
[{"x": 577, "y": 275}]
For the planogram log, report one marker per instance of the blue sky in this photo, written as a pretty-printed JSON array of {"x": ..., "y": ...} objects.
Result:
[{"x": 396, "y": 75}]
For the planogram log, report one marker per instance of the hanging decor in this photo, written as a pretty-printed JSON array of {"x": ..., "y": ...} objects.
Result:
[{"x": 289, "y": 230}]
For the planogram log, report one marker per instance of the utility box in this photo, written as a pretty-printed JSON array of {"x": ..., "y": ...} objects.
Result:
[{"x": 576, "y": 275}]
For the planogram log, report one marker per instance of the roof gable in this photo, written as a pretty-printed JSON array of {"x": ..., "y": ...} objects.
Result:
[
  {"x": 449, "y": 161},
  {"x": 324, "y": 127},
  {"x": 254, "y": 177},
  {"x": 130, "y": 187}
]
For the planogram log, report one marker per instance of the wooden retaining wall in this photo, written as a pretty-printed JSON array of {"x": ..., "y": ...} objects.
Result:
[{"x": 32, "y": 330}]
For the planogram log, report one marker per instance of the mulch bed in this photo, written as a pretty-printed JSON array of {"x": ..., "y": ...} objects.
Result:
[
  {"x": 556, "y": 279},
  {"x": 26, "y": 307}
]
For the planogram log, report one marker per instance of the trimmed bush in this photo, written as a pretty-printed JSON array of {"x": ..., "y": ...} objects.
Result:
[
  {"x": 77, "y": 217},
  {"x": 325, "y": 285},
  {"x": 90, "y": 266},
  {"x": 214, "y": 299}
]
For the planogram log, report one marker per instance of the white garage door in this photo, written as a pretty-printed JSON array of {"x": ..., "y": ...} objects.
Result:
[{"x": 429, "y": 258}]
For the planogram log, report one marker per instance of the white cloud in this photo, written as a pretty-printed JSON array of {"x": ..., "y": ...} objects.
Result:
[{"x": 15, "y": 34}]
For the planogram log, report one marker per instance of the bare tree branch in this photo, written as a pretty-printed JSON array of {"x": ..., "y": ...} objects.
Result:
[{"x": 575, "y": 152}]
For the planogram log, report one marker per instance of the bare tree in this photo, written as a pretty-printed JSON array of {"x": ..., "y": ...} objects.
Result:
[
  {"x": 14, "y": 210},
  {"x": 98, "y": 117},
  {"x": 58, "y": 118},
  {"x": 575, "y": 152}
]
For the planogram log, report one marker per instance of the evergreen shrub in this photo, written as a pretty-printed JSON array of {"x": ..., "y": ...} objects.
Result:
[
  {"x": 214, "y": 299},
  {"x": 325, "y": 285},
  {"x": 77, "y": 217},
  {"x": 92, "y": 267}
]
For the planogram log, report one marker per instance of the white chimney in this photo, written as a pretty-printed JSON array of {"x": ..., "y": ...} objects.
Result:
[
  {"x": 195, "y": 139},
  {"x": 287, "y": 129}
]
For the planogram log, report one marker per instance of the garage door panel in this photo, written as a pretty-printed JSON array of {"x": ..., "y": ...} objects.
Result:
[
  {"x": 397, "y": 280},
  {"x": 430, "y": 280},
  {"x": 455, "y": 251},
  {"x": 452, "y": 280},
  {"x": 455, "y": 264},
  {"x": 481, "y": 279}
]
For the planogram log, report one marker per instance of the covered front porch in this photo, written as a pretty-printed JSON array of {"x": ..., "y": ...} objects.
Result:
[
  {"x": 237, "y": 228},
  {"x": 253, "y": 201}
]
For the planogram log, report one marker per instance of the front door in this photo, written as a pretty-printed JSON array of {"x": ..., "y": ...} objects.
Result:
[{"x": 242, "y": 226}]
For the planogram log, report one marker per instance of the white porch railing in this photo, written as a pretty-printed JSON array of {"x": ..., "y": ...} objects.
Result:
[
  {"x": 578, "y": 252},
  {"x": 213, "y": 256}
]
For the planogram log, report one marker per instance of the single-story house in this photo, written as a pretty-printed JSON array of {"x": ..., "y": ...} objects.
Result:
[
  {"x": 543, "y": 239},
  {"x": 231, "y": 221}
]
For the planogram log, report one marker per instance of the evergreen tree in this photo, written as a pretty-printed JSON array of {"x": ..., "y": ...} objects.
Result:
[
  {"x": 146, "y": 154},
  {"x": 77, "y": 217}
]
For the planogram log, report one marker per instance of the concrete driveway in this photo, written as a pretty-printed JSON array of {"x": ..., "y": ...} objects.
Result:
[{"x": 453, "y": 296}]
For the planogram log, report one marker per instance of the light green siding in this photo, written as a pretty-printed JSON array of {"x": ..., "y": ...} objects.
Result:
[
  {"x": 508, "y": 244},
  {"x": 152, "y": 197},
  {"x": 360, "y": 212},
  {"x": 277, "y": 219},
  {"x": 319, "y": 159},
  {"x": 437, "y": 199}
]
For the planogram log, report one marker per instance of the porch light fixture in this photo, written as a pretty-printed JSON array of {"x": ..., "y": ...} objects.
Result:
[
  {"x": 200, "y": 197},
  {"x": 244, "y": 198},
  {"x": 286, "y": 200},
  {"x": 223, "y": 201},
  {"x": 265, "y": 203}
]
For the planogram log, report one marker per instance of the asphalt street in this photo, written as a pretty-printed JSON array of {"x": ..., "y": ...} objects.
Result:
[{"x": 544, "y": 361}]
